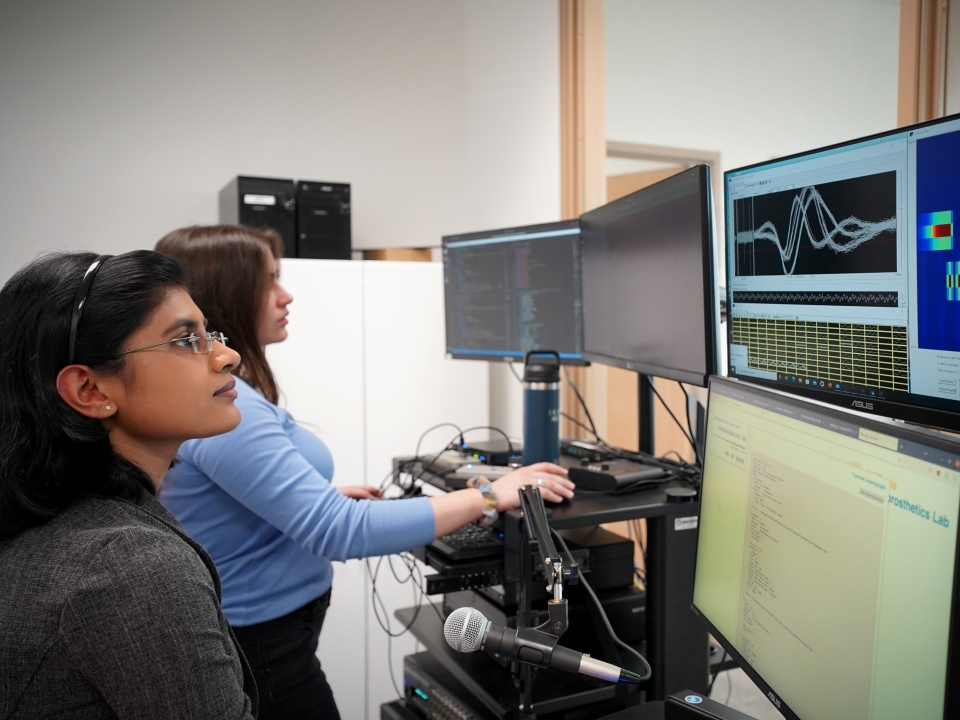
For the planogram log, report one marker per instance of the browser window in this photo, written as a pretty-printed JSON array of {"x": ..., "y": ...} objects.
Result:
[{"x": 826, "y": 555}]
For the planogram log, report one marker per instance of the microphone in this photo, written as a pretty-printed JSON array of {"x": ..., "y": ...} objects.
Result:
[{"x": 467, "y": 630}]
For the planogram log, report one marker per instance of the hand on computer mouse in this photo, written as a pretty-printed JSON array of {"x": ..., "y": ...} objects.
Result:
[{"x": 552, "y": 480}]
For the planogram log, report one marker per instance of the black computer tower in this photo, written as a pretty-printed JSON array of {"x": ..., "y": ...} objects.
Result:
[
  {"x": 323, "y": 220},
  {"x": 264, "y": 203}
]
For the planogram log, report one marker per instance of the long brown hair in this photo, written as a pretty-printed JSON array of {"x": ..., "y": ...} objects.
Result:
[{"x": 226, "y": 270}]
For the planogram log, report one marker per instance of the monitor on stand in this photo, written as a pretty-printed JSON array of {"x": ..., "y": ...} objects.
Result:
[
  {"x": 513, "y": 290},
  {"x": 842, "y": 269},
  {"x": 649, "y": 287},
  {"x": 826, "y": 559}
]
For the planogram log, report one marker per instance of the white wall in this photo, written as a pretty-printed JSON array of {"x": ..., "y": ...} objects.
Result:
[
  {"x": 120, "y": 121},
  {"x": 752, "y": 79},
  {"x": 512, "y": 116}
]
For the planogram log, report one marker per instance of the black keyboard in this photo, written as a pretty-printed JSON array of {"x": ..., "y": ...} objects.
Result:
[{"x": 470, "y": 541}]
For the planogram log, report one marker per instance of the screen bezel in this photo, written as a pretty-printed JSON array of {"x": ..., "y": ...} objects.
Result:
[
  {"x": 915, "y": 412},
  {"x": 577, "y": 360},
  {"x": 710, "y": 294},
  {"x": 951, "y": 707}
]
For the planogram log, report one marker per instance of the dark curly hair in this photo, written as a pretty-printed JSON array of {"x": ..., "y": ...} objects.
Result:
[{"x": 50, "y": 455}]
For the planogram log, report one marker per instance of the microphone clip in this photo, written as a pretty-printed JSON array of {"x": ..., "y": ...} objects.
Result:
[{"x": 557, "y": 619}]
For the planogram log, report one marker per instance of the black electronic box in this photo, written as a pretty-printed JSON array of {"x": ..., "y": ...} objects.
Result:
[
  {"x": 323, "y": 220},
  {"x": 262, "y": 203}
]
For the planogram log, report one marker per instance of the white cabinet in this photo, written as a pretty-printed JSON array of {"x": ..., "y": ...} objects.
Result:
[{"x": 364, "y": 369}]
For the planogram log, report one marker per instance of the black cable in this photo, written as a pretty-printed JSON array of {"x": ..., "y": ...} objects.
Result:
[
  {"x": 696, "y": 450},
  {"x": 435, "y": 427},
  {"x": 572, "y": 419},
  {"x": 415, "y": 577},
  {"x": 385, "y": 626},
  {"x": 417, "y": 458},
  {"x": 488, "y": 427},
  {"x": 679, "y": 424},
  {"x": 680, "y": 458},
  {"x": 683, "y": 469},
  {"x": 583, "y": 404},
  {"x": 515, "y": 374},
  {"x": 407, "y": 465},
  {"x": 717, "y": 673},
  {"x": 393, "y": 680},
  {"x": 603, "y": 615}
]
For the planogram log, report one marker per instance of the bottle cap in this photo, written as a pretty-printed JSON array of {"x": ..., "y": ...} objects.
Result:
[{"x": 541, "y": 366}]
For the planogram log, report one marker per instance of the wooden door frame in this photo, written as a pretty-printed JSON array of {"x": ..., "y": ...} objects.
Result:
[
  {"x": 583, "y": 177},
  {"x": 673, "y": 155},
  {"x": 921, "y": 82}
]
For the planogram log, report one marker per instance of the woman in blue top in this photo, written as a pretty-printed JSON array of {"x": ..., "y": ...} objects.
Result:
[{"x": 259, "y": 498}]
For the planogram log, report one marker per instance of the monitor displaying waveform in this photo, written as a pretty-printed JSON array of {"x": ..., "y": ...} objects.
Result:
[
  {"x": 834, "y": 298},
  {"x": 844, "y": 226}
]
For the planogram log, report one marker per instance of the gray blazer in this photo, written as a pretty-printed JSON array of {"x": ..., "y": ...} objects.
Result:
[{"x": 111, "y": 610}]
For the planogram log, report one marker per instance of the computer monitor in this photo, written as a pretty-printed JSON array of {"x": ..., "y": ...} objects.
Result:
[
  {"x": 649, "y": 297},
  {"x": 826, "y": 557},
  {"x": 842, "y": 273},
  {"x": 513, "y": 290}
]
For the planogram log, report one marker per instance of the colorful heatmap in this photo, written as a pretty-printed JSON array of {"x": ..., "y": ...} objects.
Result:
[{"x": 935, "y": 231}]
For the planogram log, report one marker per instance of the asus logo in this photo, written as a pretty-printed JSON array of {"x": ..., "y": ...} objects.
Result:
[
  {"x": 862, "y": 405},
  {"x": 774, "y": 699}
]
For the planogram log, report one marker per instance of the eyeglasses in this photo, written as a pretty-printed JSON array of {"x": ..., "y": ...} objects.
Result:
[{"x": 201, "y": 343}]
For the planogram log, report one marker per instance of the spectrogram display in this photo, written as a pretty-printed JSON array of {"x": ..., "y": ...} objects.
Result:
[
  {"x": 938, "y": 258},
  {"x": 935, "y": 231}
]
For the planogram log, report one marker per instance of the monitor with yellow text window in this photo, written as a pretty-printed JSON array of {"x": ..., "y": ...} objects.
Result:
[{"x": 826, "y": 561}]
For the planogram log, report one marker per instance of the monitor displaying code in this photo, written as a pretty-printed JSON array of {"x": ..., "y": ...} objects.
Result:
[
  {"x": 511, "y": 291},
  {"x": 826, "y": 554}
]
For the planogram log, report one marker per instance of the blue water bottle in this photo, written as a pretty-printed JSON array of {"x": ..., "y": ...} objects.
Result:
[{"x": 541, "y": 407}]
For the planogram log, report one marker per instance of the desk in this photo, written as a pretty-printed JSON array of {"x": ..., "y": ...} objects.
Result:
[{"x": 676, "y": 640}]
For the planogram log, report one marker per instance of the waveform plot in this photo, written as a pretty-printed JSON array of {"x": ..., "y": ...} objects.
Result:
[
  {"x": 844, "y": 226},
  {"x": 868, "y": 298}
]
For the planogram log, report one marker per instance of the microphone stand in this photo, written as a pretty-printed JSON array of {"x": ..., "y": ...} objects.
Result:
[{"x": 556, "y": 569}]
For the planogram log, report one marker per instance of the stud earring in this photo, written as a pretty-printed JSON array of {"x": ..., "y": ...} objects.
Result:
[{"x": 107, "y": 408}]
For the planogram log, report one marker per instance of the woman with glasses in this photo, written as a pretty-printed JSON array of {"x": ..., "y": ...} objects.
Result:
[
  {"x": 107, "y": 607},
  {"x": 259, "y": 499}
]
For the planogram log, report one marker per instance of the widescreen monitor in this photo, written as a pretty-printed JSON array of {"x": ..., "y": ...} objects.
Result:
[
  {"x": 649, "y": 297},
  {"x": 826, "y": 558},
  {"x": 842, "y": 272},
  {"x": 514, "y": 290}
]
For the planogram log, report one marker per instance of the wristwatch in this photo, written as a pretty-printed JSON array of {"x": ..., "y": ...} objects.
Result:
[{"x": 490, "y": 514}]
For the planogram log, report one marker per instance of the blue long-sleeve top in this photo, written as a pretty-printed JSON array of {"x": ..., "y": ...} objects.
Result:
[{"x": 259, "y": 500}]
